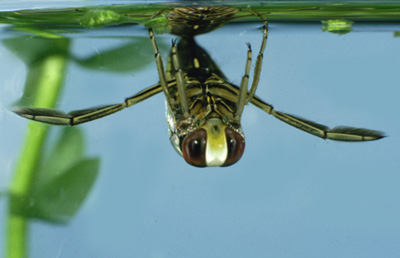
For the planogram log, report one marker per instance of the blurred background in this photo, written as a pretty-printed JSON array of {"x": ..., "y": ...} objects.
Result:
[{"x": 291, "y": 194}]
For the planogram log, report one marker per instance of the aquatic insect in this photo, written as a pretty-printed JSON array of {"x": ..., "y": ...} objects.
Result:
[
  {"x": 204, "y": 109},
  {"x": 188, "y": 22}
]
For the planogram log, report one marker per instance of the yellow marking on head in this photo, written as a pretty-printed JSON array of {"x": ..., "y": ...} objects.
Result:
[
  {"x": 216, "y": 148},
  {"x": 196, "y": 63}
]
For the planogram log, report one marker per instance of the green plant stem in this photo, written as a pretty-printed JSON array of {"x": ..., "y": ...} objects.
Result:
[
  {"x": 49, "y": 83},
  {"x": 141, "y": 13}
]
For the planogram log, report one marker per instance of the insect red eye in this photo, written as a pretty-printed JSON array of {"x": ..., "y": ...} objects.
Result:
[
  {"x": 235, "y": 143},
  {"x": 194, "y": 148}
]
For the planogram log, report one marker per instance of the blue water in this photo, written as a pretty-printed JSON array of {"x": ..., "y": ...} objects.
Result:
[{"x": 291, "y": 195}]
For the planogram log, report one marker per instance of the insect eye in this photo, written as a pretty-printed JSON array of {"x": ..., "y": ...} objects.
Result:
[
  {"x": 235, "y": 143},
  {"x": 194, "y": 148}
]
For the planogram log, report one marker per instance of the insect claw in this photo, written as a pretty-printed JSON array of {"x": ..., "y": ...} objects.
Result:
[{"x": 248, "y": 45}]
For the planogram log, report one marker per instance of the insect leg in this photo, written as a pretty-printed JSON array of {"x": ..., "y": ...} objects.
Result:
[
  {"x": 160, "y": 68},
  {"x": 181, "y": 84},
  {"x": 339, "y": 133},
  {"x": 159, "y": 12},
  {"x": 257, "y": 69},
  {"x": 55, "y": 117},
  {"x": 244, "y": 84}
]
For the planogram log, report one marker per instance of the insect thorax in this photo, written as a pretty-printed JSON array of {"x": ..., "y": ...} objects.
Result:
[
  {"x": 206, "y": 100},
  {"x": 208, "y": 93},
  {"x": 191, "y": 21}
]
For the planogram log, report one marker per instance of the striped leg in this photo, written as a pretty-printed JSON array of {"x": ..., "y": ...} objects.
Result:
[
  {"x": 244, "y": 84},
  {"x": 55, "y": 117},
  {"x": 160, "y": 68},
  {"x": 339, "y": 133},
  {"x": 257, "y": 69},
  {"x": 181, "y": 84},
  {"x": 51, "y": 116}
]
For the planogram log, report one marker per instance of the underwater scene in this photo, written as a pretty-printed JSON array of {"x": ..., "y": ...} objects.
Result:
[{"x": 182, "y": 129}]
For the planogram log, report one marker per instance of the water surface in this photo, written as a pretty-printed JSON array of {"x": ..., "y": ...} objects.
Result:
[{"x": 291, "y": 195}]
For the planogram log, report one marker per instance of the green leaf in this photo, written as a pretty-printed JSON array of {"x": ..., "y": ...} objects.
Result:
[
  {"x": 32, "y": 50},
  {"x": 337, "y": 26},
  {"x": 67, "y": 151},
  {"x": 60, "y": 199},
  {"x": 50, "y": 34},
  {"x": 35, "y": 52},
  {"x": 127, "y": 58},
  {"x": 97, "y": 18}
]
